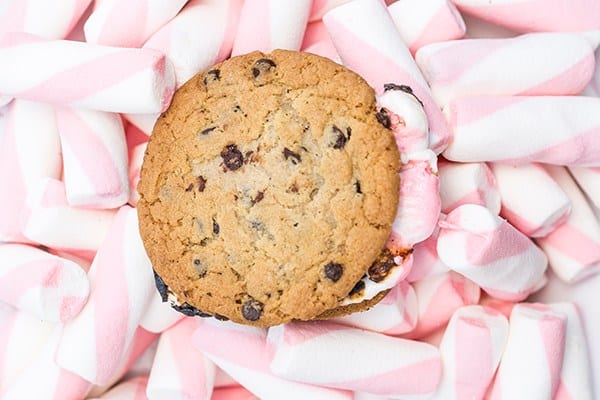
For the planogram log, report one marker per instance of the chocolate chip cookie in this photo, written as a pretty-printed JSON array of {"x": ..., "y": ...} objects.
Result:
[{"x": 268, "y": 189}]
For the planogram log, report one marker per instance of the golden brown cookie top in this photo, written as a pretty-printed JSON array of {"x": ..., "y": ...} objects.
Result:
[{"x": 268, "y": 188}]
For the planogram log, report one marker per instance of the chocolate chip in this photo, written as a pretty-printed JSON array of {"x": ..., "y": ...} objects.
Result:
[
  {"x": 189, "y": 310},
  {"x": 189, "y": 188},
  {"x": 340, "y": 138},
  {"x": 216, "y": 227},
  {"x": 160, "y": 286},
  {"x": 201, "y": 183},
  {"x": 334, "y": 271},
  {"x": 359, "y": 287},
  {"x": 252, "y": 310},
  {"x": 259, "y": 196},
  {"x": 200, "y": 269},
  {"x": 221, "y": 317},
  {"x": 261, "y": 66},
  {"x": 382, "y": 266},
  {"x": 402, "y": 88},
  {"x": 383, "y": 118},
  {"x": 232, "y": 157},
  {"x": 289, "y": 154},
  {"x": 207, "y": 130},
  {"x": 212, "y": 76},
  {"x": 357, "y": 186}
]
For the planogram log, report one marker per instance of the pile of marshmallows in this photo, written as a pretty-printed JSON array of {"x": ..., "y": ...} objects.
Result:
[{"x": 500, "y": 180}]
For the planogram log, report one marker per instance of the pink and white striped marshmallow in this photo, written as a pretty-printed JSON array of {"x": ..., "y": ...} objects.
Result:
[
  {"x": 241, "y": 351},
  {"x": 222, "y": 379},
  {"x": 421, "y": 22},
  {"x": 320, "y": 7},
  {"x": 266, "y": 25},
  {"x": 29, "y": 151},
  {"x": 407, "y": 119},
  {"x": 233, "y": 393},
  {"x": 136, "y": 157},
  {"x": 22, "y": 340},
  {"x": 532, "y": 361},
  {"x": 130, "y": 389},
  {"x": 534, "y": 64},
  {"x": 573, "y": 248},
  {"x": 468, "y": 183},
  {"x": 85, "y": 75},
  {"x": 531, "y": 200},
  {"x": 438, "y": 297},
  {"x": 587, "y": 179},
  {"x": 159, "y": 316},
  {"x": 510, "y": 129},
  {"x": 46, "y": 286},
  {"x": 550, "y": 15},
  {"x": 575, "y": 378},
  {"x": 51, "y": 21},
  {"x": 395, "y": 314},
  {"x": 593, "y": 87},
  {"x": 485, "y": 248},
  {"x": 94, "y": 158},
  {"x": 48, "y": 219},
  {"x": 471, "y": 349},
  {"x": 317, "y": 41},
  {"x": 369, "y": 44},
  {"x": 122, "y": 283},
  {"x": 128, "y": 23},
  {"x": 143, "y": 342},
  {"x": 179, "y": 371},
  {"x": 419, "y": 202},
  {"x": 373, "y": 363},
  {"x": 198, "y": 37},
  {"x": 44, "y": 379},
  {"x": 426, "y": 261},
  {"x": 143, "y": 122}
]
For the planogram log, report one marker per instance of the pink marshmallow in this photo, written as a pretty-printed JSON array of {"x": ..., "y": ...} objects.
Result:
[
  {"x": 531, "y": 200},
  {"x": 320, "y": 7},
  {"x": 395, "y": 314},
  {"x": 29, "y": 151},
  {"x": 533, "y": 64},
  {"x": 22, "y": 340},
  {"x": 587, "y": 179},
  {"x": 426, "y": 261},
  {"x": 510, "y": 129},
  {"x": 49, "y": 287},
  {"x": 94, "y": 158},
  {"x": 486, "y": 249},
  {"x": 468, "y": 183},
  {"x": 368, "y": 43},
  {"x": 51, "y": 21},
  {"x": 266, "y": 25},
  {"x": 44, "y": 379},
  {"x": 233, "y": 393},
  {"x": 419, "y": 202},
  {"x": 532, "y": 361},
  {"x": 136, "y": 157},
  {"x": 550, "y": 15},
  {"x": 122, "y": 284},
  {"x": 222, "y": 379},
  {"x": 179, "y": 371},
  {"x": 407, "y": 120},
  {"x": 131, "y": 389},
  {"x": 438, "y": 297},
  {"x": 471, "y": 349},
  {"x": 317, "y": 41},
  {"x": 242, "y": 352},
  {"x": 128, "y": 23},
  {"x": 85, "y": 75},
  {"x": 198, "y": 37},
  {"x": 373, "y": 363},
  {"x": 575, "y": 379},
  {"x": 48, "y": 219},
  {"x": 421, "y": 22},
  {"x": 159, "y": 316},
  {"x": 143, "y": 122},
  {"x": 573, "y": 248}
]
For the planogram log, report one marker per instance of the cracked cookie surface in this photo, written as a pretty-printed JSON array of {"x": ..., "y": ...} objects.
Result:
[{"x": 268, "y": 188}]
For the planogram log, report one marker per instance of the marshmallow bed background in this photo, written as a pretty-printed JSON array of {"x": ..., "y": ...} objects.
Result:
[{"x": 498, "y": 296}]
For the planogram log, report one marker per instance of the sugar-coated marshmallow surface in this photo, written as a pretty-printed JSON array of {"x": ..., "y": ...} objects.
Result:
[{"x": 496, "y": 236}]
